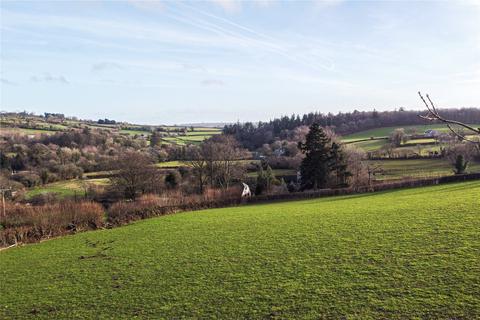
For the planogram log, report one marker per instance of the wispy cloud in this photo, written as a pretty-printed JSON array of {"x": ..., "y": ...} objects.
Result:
[
  {"x": 212, "y": 82},
  {"x": 102, "y": 66},
  {"x": 147, "y": 5},
  {"x": 250, "y": 38},
  {"x": 221, "y": 33},
  {"x": 229, "y": 6},
  {"x": 47, "y": 77},
  {"x": 322, "y": 4},
  {"x": 7, "y": 82},
  {"x": 193, "y": 67}
]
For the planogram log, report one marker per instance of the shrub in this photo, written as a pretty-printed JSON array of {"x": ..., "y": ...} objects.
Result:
[
  {"x": 28, "y": 179},
  {"x": 33, "y": 223},
  {"x": 172, "y": 179},
  {"x": 460, "y": 164},
  {"x": 43, "y": 198}
]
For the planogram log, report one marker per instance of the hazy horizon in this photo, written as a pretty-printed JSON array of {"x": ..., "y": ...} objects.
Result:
[{"x": 166, "y": 62}]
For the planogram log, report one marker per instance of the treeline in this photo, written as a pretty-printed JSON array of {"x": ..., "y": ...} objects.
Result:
[{"x": 253, "y": 136}]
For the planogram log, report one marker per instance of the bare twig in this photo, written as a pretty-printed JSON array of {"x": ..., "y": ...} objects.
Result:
[{"x": 433, "y": 115}]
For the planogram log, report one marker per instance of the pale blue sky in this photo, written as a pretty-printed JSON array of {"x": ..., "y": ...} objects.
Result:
[{"x": 178, "y": 62}]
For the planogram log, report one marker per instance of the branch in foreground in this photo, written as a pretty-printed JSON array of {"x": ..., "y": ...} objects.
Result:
[{"x": 433, "y": 115}]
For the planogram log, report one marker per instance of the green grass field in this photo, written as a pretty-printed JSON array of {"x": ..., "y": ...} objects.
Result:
[
  {"x": 409, "y": 254},
  {"x": 385, "y": 131},
  {"x": 24, "y": 131},
  {"x": 370, "y": 145},
  {"x": 135, "y": 132},
  {"x": 418, "y": 168},
  {"x": 67, "y": 188}
]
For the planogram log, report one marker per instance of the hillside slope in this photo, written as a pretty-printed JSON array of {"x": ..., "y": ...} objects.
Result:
[{"x": 400, "y": 254}]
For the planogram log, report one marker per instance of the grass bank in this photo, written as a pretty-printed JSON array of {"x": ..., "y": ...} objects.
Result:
[{"x": 403, "y": 254}]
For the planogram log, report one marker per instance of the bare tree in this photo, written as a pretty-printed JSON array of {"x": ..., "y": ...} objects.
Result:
[
  {"x": 398, "y": 137},
  {"x": 136, "y": 175},
  {"x": 200, "y": 166},
  {"x": 434, "y": 115},
  {"x": 216, "y": 162}
]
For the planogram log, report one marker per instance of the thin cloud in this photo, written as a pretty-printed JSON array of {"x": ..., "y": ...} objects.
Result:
[
  {"x": 249, "y": 37},
  {"x": 212, "y": 82},
  {"x": 102, "y": 66},
  {"x": 229, "y": 6},
  {"x": 7, "y": 82},
  {"x": 193, "y": 67},
  {"x": 147, "y": 5},
  {"x": 322, "y": 4},
  {"x": 47, "y": 77}
]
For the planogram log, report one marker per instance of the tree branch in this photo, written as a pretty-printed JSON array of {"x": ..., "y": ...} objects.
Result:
[{"x": 433, "y": 115}]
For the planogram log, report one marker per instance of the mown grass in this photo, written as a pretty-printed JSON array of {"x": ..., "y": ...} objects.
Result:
[{"x": 410, "y": 254}]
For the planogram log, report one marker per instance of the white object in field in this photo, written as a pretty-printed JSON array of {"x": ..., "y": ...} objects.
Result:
[{"x": 246, "y": 190}]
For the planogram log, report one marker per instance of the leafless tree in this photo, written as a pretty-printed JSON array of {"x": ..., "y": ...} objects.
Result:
[
  {"x": 200, "y": 166},
  {"x": 398, "y": 136},
  {"x": 216, "y": 162},
  {"x": 136, "y": 175}
]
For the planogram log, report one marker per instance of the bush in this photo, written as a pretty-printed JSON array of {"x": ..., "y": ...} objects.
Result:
[
  {"x": 33, "y": 223},
  {"x": 172, "y": 179},
  {"x": 28, "y": 179},
  {"x": 43, "y": 198},
  {"x": 69, "y": 171}
]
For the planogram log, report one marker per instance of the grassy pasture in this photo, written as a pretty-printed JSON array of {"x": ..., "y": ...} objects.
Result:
[
  {"x": 186, "y": 163},
  {"x": 24, "y": 131},
  {"x": 135, "y": 132},
  {"x": 276, "y": 172},
  {"x": 385, "y": 131},
  {"x": 419, "y": 141},
  {"x": 418, "y": 168},
  {"x": 370, "y": 145},
  {"x": 372, "y": 256},
  {"x": 68, "y": 188}
]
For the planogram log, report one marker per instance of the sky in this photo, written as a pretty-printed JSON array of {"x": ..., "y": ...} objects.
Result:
[{"x": 224, "y": 61}]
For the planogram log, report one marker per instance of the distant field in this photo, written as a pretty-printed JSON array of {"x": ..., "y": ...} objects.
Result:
[
  {"x": 170, "y": 164},
  {"x": 5, "y": 131},
  {"x": 418, "y": 168},
  {"x": 136, "y": 132},
  {"x": 185, "y": 163},
  {"x": 385, "y": 131},
  {"x": 276, "y": 172},
  {"x": 408, "y": 254},
  {"x": 419, "y": 141},
  {"x": 191, "y": 137},
  {"x": 68, "y": 188},
  {"x": 370, "y": 145}
]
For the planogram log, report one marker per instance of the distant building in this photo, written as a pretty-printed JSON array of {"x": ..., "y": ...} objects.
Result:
[
  {"x": 279, "y": 152},
  {"x": 431, "y": 133}
]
